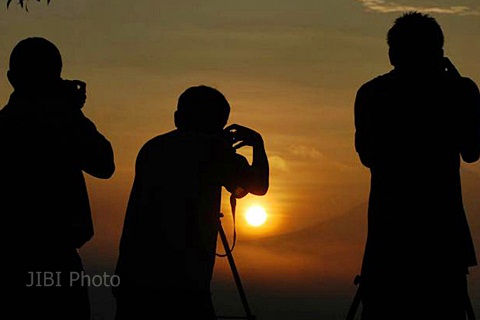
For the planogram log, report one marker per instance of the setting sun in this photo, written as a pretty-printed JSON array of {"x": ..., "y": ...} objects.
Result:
[{"x": 256, "y": 216}]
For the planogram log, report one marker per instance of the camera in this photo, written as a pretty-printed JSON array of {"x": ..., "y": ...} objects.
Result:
[
  {"x": 74, "y": 91},
  {"x": 232, "y": 139},
  {"x": 450, "y": 68},
  {"x": 229, "y": 136}
]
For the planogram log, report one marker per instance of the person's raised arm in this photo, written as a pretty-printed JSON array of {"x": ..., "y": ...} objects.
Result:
[
  {"x": 363, "y": 128},
  {"x": 93, "y": 151},
  {"x": 257, "y": 181},
  {"x": 470, "y": 126}
]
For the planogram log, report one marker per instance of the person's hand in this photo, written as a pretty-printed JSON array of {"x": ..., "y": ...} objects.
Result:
[
  {"x": 75, "y": 91},
  {"x": 240, "y": 136},
  {"x": 80, "y": 95},
  {"x": 450, "y": 67}
]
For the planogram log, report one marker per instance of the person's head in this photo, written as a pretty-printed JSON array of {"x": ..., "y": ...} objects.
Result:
[
  {"x": 415, "y": 40},
  {"x": 35, "y": 63},
  {"x": 202, "y": 109}
]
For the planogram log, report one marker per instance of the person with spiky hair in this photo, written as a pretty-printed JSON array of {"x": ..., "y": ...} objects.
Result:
[{"x": 413, "y": 127}]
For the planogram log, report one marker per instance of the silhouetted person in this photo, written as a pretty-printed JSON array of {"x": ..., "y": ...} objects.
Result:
[
  {"x": 413, "y": 127},
  {"x": 46, "y": 144},
  {"x": 167, "y": 249}
]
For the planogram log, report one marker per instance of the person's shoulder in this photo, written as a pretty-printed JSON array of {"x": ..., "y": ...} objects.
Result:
[
  {"x": 460, "y": 86},
  {"x": 5, "y": 117},
  {"x": 154, "y": 144},
  {"x": 3, "y": 112},
  {"x": 377, "y": 82},
  {"x": 468, "y": 84}
]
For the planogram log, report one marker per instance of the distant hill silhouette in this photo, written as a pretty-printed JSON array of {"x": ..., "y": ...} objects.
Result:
[{"x": 346, "y": 229}]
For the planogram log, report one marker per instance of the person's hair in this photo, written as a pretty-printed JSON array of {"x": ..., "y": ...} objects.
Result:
[
  {"x": 202, "y": 108},
  {"x": 35, "y": 59},
  {"x": 415, "y": 36}
]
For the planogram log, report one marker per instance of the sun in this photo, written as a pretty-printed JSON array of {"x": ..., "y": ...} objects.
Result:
[{"x": 256, "y": 216}]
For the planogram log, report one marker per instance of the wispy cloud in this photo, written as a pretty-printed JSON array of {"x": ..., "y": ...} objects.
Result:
[
  {"x": 389, "y": 7},
  {"x": 277, "y": 162},
  {"x": 306, "y": 152}
]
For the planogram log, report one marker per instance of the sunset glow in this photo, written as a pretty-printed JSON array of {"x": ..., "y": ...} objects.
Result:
[{"x": 290, "y": 71}]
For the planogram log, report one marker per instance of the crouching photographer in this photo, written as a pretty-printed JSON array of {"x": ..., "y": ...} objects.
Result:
[{"x": 168, "y": 244}]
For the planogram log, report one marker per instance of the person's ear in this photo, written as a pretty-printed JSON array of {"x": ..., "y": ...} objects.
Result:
[
  {"x": 11, "y": 78},
  {"x": 393, "y": 56},
  {"x": 178, "y": 119},
  {"x": 438, "y": 56}
]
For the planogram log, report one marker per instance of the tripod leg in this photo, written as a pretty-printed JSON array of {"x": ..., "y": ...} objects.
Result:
[
  {"x": 469, "y": 308},
  {"x": 357, "y": 299},
  {"x": 236, "y": 275}
]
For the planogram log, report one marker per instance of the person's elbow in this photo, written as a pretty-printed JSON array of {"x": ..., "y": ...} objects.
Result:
[
  {"x": 365, "y": 159},
  {"x": 102, "y": 167},
  {"x": 260, "y": 189},
  {"x": 470, "y": 157},
  {"x": 106, "y": 172}
]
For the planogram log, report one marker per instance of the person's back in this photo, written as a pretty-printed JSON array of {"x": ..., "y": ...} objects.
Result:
[
  {"x": 177, "y": 190},
  {"x": 40, "y": 174},
  {"x": 419, "y": 126},
  {"x": 46, "y": 144},
  {"x": 167, "y": 249},
  {"x": 412, "y": 126}
]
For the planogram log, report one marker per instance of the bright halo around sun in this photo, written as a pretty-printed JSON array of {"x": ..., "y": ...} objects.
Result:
[{"x": 256, "y": 216}]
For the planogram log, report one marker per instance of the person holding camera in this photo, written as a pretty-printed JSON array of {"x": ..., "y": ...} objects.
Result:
[
  {"x": 47, "y": 144},
  {"x": 168, "y": 244},
  {"x": 414, "y": 125}
]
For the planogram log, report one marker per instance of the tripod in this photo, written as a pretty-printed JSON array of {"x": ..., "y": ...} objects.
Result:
[{"x": 236, "y": 276}]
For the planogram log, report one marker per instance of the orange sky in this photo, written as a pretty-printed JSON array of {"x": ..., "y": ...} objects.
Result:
[{"x": 290, "y": 70}]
